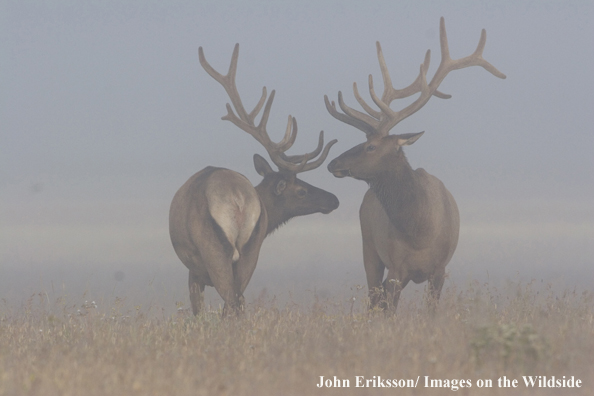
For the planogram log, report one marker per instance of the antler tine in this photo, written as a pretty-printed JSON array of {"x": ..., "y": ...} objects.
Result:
[
  {"x": 357, "y": 123},
  {"x": 297, "y": 159},
  {"x": 387, "y": 113},
  {"x": 299, "y": 163},
  {"x": 256, "y": 110},
  {"x": 304, "y": 165},
  {"x": 374, "y": 113},
  {"x": 390, "y": 93},
  {"x": 290, "y": 135},
  {"x": 261, "y": 128},
  {"x": 366, "y": 119},
  {"x": 227, "y": 81},
  {"x": 313, "y": 165},
  {"x": 385, "y": 73}
]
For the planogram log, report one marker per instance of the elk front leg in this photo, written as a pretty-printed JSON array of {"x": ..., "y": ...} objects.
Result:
[
  {"x": 393, "y": 286},
  {"x": 374, "y": 269},
  {"x": 196, "y": 293}
]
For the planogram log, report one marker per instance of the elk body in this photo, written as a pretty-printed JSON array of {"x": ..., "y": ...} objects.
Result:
[
  {"x": 218, "y": 220},
  {"x": 409, "y": 220}
]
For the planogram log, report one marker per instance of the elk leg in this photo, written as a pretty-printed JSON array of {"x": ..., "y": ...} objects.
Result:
[
  {"x": 220, "y": 270},
  {"x": 244, "y": 268},
  {"x": 374, "y": 269},
  {"x": 393, "y": 286},
  {"x": 237, "y": 286},
  {"x": 248, "y": 258},
  {"x": 196, "y": 293},
  {"x": 392, "y": 297},
  {"x": 435, "y": 286}
]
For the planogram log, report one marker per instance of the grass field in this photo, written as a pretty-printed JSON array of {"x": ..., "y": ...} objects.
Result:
[{"x": 479, "y": 333}]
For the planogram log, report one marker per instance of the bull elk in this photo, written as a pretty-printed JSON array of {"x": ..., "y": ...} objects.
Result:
[
  {"x": 218, "y": 220},
  {"x": 409, "y": 220}
]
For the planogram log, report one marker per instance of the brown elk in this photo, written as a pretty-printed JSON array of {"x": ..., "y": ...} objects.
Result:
[
  {"x": 409, "y": 220},
  {"x": 218, "y": 220}
]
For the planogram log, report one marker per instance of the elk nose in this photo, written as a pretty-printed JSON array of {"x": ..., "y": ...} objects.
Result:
[
  {"x": 331, "y": 204},
  {"x": 334, "y": 203},
  {"x": 332, "y": 165},
  {"x": 335, "y": 168}
]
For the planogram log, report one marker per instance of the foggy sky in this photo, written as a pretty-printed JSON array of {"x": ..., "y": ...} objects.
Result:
[{"x": 105, "y": 112}]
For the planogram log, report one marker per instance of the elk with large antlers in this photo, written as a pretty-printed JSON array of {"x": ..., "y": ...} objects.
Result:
[
  {"x": 409, "y": 220},
  {"x": 218, "y": 220}
]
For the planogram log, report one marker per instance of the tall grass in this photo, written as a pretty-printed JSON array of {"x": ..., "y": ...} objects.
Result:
[{"x": 479, "y": 332}]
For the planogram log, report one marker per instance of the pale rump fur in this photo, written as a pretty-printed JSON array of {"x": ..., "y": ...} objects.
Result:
[
  {"x": 234, "y": 206},
  {"x": 218, "y": 252}
]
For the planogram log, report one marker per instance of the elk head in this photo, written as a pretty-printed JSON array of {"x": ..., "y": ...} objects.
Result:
[
  {"x": 383, "y": 151},
  {"x": 378, "y": 152},
  {"x": 283, "y": 194}
]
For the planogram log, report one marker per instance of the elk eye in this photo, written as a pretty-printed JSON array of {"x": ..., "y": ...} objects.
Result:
[
  {"x": 302, "y": 193},
  {"x": 371, "y": 147}
]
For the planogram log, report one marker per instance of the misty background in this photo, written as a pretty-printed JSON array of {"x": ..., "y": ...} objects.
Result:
[{"x": 105, "y": 112}]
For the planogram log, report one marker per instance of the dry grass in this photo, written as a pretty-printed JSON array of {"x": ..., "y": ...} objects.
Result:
[{"x": 477, "y": 333}]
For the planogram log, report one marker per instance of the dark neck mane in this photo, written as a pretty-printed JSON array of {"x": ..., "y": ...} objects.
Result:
[
  {"x": 274, "y": 208},
  {"x": 405, "y": 201}
]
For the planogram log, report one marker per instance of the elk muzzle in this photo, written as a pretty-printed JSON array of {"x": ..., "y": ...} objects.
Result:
[
  {"x": 331, "y": 203},
  {"x": 336, "y": 168}
]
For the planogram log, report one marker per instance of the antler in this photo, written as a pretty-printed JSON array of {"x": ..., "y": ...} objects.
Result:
[
  {"x": 246, "y": 122},
  {"x": 382, "y": 121}
]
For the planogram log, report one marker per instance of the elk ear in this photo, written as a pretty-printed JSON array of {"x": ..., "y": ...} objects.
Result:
[
  {"x": 406, "y": 139},
  {"x": 280, "y": 187},
  {"x": 262, "y": 166}
]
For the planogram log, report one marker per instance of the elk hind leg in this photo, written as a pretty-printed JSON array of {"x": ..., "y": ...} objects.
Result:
[
  {"x": 219, "y": 264},
  {"x": 245, "y": 266},
  {"x": 435, "y": 285},
  {"x": 196, "y": 294}
]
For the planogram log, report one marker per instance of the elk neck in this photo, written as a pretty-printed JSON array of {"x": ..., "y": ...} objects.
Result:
[
  {"x": 274, "y": 205},
  {"x": 401, "y": 193}
]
